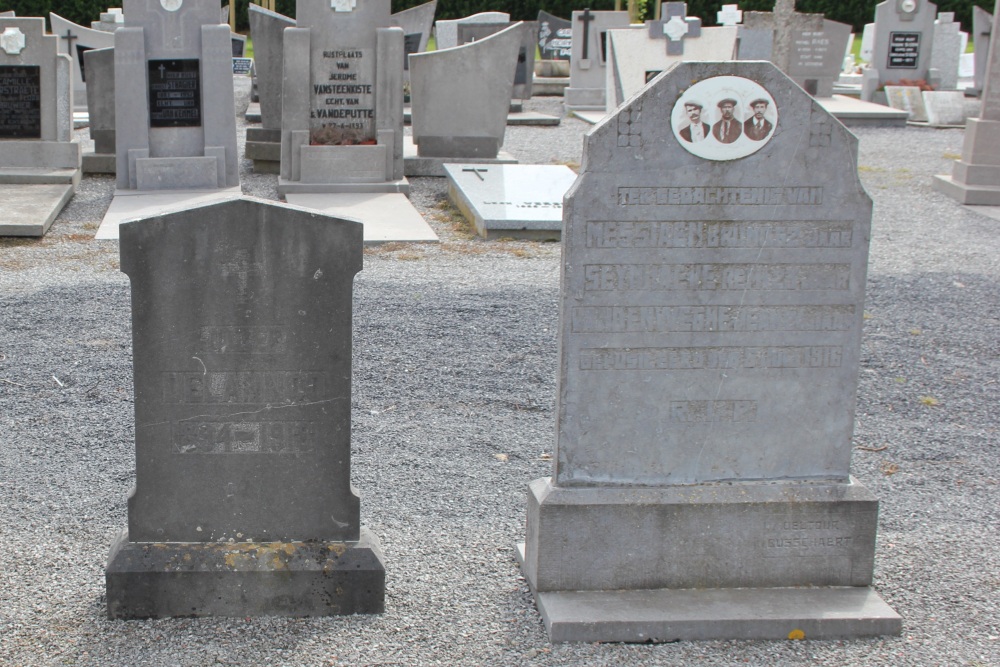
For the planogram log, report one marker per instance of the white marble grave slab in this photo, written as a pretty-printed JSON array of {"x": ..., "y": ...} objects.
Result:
[
  {"x": 947, "y": 108},
  {"x": 908, "y": 99},
  {"x": 511, "y": 201},
  {"x": 386, "y": 216},
  {"x": 136, "y": 204}
]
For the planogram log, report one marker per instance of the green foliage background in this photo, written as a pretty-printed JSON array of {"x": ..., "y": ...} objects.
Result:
[{"x": 854, "y": 12}]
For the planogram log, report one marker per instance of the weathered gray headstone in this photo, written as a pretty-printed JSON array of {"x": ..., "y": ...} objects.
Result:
[
  {"x": 100, "y": 63},
  {"x": 39, "y": 160},
  {"x": 524, "y": 60},
  {"x": 949, "y": 108},
  {"x": 511, "y": 200},
  {"x": 817, "y": 57},
  {"x": 446, "y": 30},
  {"x": 947, "y": 49},
  {"x": 555, "y": 37},
  {"x": 417, "y": 24},
  {"x": 241, "y": 340},
  {"x": 903, "y": 41},
  {"x": 587, "y": 71},
  {"x": 74, "y": 41},
  {"x": 785, "y": 26},
  {"x": 710, "y": 335},
  {"x": 867, "y": 51},
  {"x": 982, "y": 32},
  {"x": 263, "y": 144},
  {"x": 908, "y": 99},
  {"x": 975, "y": 179},
  {"x": 475, "y": 128},
  {"x": 342, "y": 100},
  {"x": 174, "y": 113}
]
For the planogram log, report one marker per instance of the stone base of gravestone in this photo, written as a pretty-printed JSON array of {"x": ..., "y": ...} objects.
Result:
[
  {"x": 160, "y": 580},
  {"x": 416, "y": 165},
  {"x": 511, "y": 201},
  {"x": 100, "y": 163},
  {"x": 975, "y": 179},
  {"x": 263, "y": 146},
  {"x": 634, "y": 564}
]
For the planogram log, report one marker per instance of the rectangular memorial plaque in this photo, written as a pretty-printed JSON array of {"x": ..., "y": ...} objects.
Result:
[
  {"x": 343, "y": 94},
  {"x": 904, "y": 50},
  {"x": 20, "y": 102},
  {"x": 175, "y": 93}
]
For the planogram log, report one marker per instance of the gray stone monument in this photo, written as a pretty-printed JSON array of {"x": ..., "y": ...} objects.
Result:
[
  {"x": 459, "y": 101},
  {"x": 39, "y": 160},
  {"x": 263, "y": 144},
  {"x": 710, "y": 335},
  {"x": 446, "y": 30},
  {"x": 100, "y": 63},
  {"x": 784, "y": 25},
  {"x": 75, "y": 40},
  {"x": 342, "y": 100},
  {"x": 110, "y": 20},
  {"x": 975, "y": 179},
  {"x": 241, "y": 338},
  {"x": 982, "y": 29},
  {"x": 174, "y": 113},
  {"x": 947, "y": 50},
  {"x": 903, "y": 42},
  {"x": 817, "y": 57},
  {"x": 587, "y": 72},
  {"x": 523, "y": 61},
  {"x": 417, "y": 24},
  {"x": 949, "y": 108}
]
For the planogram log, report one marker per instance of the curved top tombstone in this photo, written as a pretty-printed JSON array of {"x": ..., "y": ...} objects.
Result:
[{"x": 714, "y": 264}]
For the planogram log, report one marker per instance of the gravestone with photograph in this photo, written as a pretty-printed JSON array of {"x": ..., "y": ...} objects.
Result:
[
  {"x": 263, "y": 145},
  {"x": 241, "y": 340},
  {"x": 588, "y": 66},
  {"x": 39, "y": 159},
  {"x": 975, "y": 178},
  {"x": 902, "y": 44},
  {"x": 75, "y": 40},
  {"x": 100, "y": 65},
  {"x": 947, "y": 50},
  {"x": 473, "y": 131},
  {"x": 342, "y": 100},
  {"x": 710, "y": 340}
]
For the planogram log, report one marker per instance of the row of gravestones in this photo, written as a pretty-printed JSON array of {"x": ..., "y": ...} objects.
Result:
[{"x": 709, "y": 352}]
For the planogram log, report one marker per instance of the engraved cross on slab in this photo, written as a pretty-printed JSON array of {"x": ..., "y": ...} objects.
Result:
[
  {"x": 478, "y": 172},
  {"x": 675, "y": 25}
]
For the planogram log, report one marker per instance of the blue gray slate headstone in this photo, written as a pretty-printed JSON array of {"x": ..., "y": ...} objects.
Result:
[
  {"x": 713, "y": 284},
  {"x": 555, "y": 37},
  {"x": 241, "y": 342}
]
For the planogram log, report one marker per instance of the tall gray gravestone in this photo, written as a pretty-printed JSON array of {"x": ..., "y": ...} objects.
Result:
[
  {"x": 342, "y": 100},
  {"x": 39, "y": 160},
  {"x": 524, "y": 60},
  {"x": 588, "y": 66},
  {"x": 947, "y": 50},
  {"x": 75, "y": 40},
  {"x": 263, "y": 144},
  {"x": 241, "y": 341},
  {"x": 100, "y": 65},
  {"x": 975, "y": 179},
  {"x": 710, "y": 334},
  {"x": 817, "y": 57},
  {"x": 903, "y": 42},
  {"x": 982, "y": 29},
  {"x": 174, "y": 113}
]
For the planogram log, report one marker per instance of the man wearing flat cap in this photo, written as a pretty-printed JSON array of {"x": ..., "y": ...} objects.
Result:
[
  {"x": 758, "y": 127},
  {"x": 728, "y": 129},
  {"x": 697, "y": 130}
]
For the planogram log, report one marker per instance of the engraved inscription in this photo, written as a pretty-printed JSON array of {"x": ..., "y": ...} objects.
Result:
[
  {"x": 805, "y": 537},
  {"x": 343, "y": 97},
  {"x": 20, "y": 102},
  {"x": 710, "y": 358},
  {"x": 244, "y": 340},
  {"x": 246, "y": 387},
  {"x": 708, "y": 196},
  {"x": 705, "y": 412},
  {"x": 904, "y": 50},
  {"x": 708, "y": 234},
  {"x": 667, "y": 277},
  {"x": 719, "y": 319},
  {"x": 203, "y": 436}
]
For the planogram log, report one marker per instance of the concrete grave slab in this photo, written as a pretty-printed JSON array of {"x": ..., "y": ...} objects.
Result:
[
  {"x": 242, "y": 356},
  {"x": 415, "y": 165},
  {"x": 511, "y": 201},
  {"x": 949, "y": 108},
  {"x": 128, "y": 205},
  {"x": 710, "y": 342},
  {"x": 387, "y": 217},
  {"x": 29, "y": 210}
]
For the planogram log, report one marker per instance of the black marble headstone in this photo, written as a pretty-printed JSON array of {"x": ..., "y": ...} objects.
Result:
[
  {"x": 80, "y": 50},
  {"x": 411, "y": 44},
  {"x": 904, "y": 50},
  {"x": 20, "y": 102},
  {"x": 175, "y": 93},
  {"x": 555, "y": 37}
]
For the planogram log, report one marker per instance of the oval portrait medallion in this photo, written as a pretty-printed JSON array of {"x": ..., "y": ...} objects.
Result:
[
  {"x": 171, "y": 5},
  {"x": 724, "y": 118}
]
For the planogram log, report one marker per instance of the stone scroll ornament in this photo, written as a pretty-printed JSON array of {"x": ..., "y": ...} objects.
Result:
[{"x": 724, "y": 118}]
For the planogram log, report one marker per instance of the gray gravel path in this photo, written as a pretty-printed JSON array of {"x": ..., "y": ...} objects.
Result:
[{"x": 454, "y": 392}]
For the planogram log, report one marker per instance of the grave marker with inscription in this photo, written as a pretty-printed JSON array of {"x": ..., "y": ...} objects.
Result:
[
  {"x": 555, "y": 37},
  {"x": 587, "y": 69},
  {"x": 75, "y": 40},
  {"x": 243, "y": 504},
  {"x": 39, "y": 160},
  {"x": 903, "y": 42},
  {"x": 416, "y": 23},
  {"x": 342, "y": 100},
  {"x": 175, "y": 120},
  {"x": 710, "y": 334}
]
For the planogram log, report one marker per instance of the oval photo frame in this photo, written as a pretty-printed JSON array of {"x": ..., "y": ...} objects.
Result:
[{"x": 724, "y": 118}]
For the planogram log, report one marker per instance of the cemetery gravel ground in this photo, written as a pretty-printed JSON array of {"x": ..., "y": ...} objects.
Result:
[{"x": 454, "y": 395}]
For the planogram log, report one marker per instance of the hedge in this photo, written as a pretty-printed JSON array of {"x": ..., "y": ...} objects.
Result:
[{"x": 854, "y": 12}]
